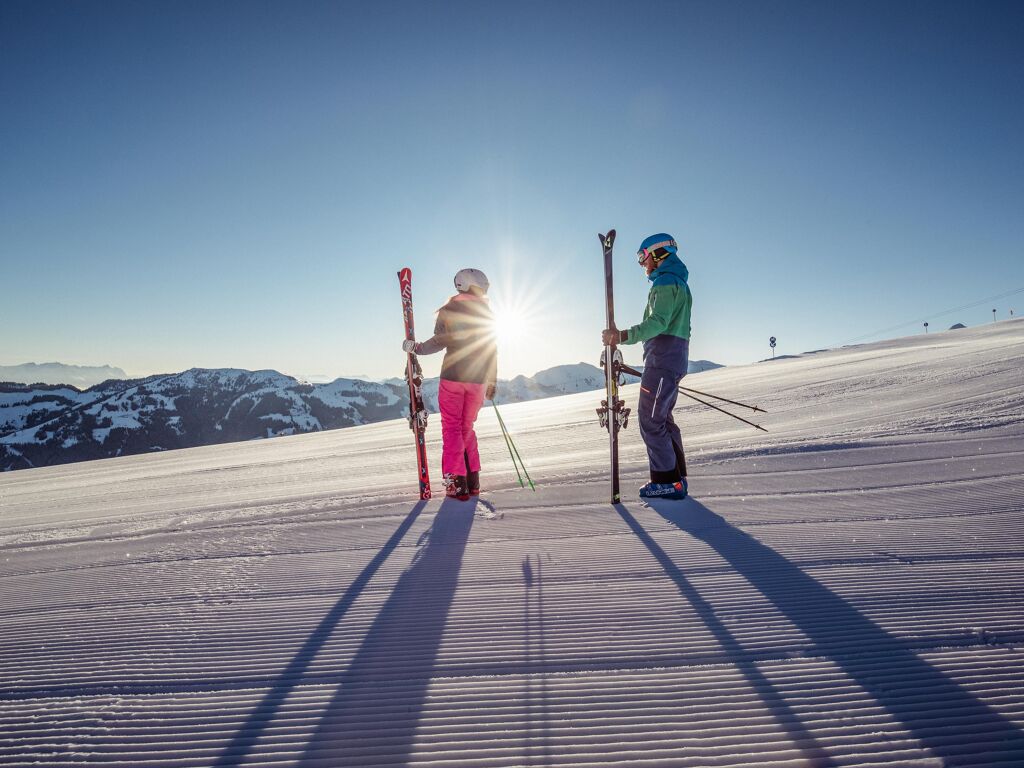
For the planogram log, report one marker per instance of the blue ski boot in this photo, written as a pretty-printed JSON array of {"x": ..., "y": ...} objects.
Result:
[{"x": 671, "y": 491}]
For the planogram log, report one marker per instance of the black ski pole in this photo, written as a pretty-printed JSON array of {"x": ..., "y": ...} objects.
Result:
[
  {"x": 722, "y": 410},
  {"x": 684, "y": 390}
]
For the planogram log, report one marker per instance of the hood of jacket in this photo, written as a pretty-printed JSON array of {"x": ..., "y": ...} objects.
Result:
[{"x": 671, "y": 271}]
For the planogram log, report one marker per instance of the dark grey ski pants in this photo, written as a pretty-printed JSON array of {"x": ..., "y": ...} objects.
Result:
[{"x": 658, "y": 393}]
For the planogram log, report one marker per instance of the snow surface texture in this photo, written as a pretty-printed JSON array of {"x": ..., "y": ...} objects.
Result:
[{"x": 847, "y": 590}]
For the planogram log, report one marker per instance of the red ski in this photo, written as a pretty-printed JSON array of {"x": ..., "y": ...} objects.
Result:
[{"x": 414, "y": 376}]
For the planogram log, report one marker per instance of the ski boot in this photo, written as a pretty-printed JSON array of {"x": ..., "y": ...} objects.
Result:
[
  {"x": 455, "y": 487},
  {"x": 670, "y": 491},
  {"x": 473, "y": 483}
]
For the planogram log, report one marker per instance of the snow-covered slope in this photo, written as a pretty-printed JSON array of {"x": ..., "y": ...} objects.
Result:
[{"x": 847, "y": 590}]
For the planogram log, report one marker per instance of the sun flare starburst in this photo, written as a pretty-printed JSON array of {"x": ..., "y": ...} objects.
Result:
[
  {"x": 509, "y": 327},
  {"x": 521, "y": 312}
]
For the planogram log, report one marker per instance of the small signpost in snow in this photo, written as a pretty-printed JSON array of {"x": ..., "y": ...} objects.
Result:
[{"x": 771, "y": 341}]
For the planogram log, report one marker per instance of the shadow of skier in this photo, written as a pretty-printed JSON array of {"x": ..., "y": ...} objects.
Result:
[
  {"x": 375, "y": 712},
  {"x": 947, "y": 720},
  {"x": 538, "y": 736},
  {"x": 784, "y": 714},
  {"x": 291, "y": 676}
]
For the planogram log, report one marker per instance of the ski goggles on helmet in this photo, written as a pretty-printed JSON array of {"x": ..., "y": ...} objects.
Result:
[{"x": 643, "y": 253}]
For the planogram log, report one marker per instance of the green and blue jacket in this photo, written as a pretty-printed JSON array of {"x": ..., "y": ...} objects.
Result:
[{"x": 665, "y": 328}]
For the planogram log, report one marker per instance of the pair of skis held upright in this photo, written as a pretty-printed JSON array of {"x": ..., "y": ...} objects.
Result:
[
  {"x": 414, "y": 378},
  {"x": 613, "y": 415},
  {"x": 418, "y": 411}
]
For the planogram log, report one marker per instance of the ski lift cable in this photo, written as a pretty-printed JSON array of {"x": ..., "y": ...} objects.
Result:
[{"x": 931, "y": 316}]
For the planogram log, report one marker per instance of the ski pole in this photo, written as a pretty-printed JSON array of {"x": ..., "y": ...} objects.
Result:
[
  {"x": 722, "y": 410},
  {"x": 508, "y": 445},
  {"x": 684, "y": 390},
  {"x": 522, "y": 464},
  {"x": 512, "y": 446}
]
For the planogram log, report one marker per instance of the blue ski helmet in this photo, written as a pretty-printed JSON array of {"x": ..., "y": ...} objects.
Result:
[{"x": 655, "y": 242}]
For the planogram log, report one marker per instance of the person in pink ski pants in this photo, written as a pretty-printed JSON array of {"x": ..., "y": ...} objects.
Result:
[{"x": 465, "y": 330}]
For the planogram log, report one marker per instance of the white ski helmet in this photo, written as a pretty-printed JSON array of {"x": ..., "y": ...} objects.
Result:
[{"x": 470, "y": 278}]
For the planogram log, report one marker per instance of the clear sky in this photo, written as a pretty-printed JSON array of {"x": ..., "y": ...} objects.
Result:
[{"x": 236, "y": 184}]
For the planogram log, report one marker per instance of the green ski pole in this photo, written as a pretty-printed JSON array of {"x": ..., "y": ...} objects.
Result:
[
  {"x": 513, "y": 449},
  {"x": 508, "y": 445}
]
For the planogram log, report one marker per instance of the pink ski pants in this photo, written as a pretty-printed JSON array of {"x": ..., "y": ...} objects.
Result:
[{"x": 460, "y": 402}]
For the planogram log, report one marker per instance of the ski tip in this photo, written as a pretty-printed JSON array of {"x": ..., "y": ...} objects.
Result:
[{"x": 608, "y": 238}]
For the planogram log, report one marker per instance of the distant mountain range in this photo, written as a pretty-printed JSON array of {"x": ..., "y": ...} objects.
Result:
[
  {"x": 46, "y": 424},
  {"x": 81, "y": 376}
]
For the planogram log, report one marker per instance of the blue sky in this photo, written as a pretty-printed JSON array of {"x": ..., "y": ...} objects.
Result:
[{"x": 225, "y": 184}]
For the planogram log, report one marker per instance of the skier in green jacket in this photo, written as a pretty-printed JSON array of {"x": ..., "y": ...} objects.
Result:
[{"x": 665, "y": 333}]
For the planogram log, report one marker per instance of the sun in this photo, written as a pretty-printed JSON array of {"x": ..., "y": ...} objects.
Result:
[
  {"x": 521, "y": 299},
  {"x": 509, "y": 326},
  {"x": 518, "y": 319}
]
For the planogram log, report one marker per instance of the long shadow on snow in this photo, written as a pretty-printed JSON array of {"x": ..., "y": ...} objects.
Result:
[
  {"x": 787, "y": 719},
  {"x": 374, "y": 715},
  {"x": 945, "y": 717},
  {"x": 538, "y": 736},
  {"x": 265, "y": 712}
]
